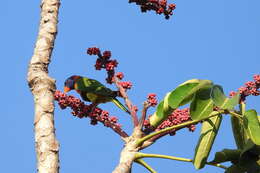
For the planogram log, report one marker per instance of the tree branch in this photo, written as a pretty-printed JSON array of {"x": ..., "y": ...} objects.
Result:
[{"x": 43, "y": 87}]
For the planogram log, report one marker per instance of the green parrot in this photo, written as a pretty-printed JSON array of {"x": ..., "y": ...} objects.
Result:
[{"x": 93, "y": 91}]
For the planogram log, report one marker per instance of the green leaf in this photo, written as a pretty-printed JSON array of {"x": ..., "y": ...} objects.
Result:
[
  {"x": 202, "y": 104},
  {"x": 185, "y": 92},
  {"x": 209, "y": 131},
  {"x": 181, "y": 95},
  {"x": 235, "y": 169},
  {"x": 162, "y": 112},
  {"x": 248, "y": 160},
  {"x": 253, "y": 167},
  {"x": 220, "y": 99},
  {"x": 226, "y": 155},
  {"x": 239, "y": 132},
  {"x": 238, "y": 129},
  {"x": 249, "y": 167},
  {"x": 252, "y": 126},
  {"x": 250, "y": 152}
]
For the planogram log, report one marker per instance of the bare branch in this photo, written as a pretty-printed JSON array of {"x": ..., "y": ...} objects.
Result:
[
  {"x": 127, "y": 101},
  {"x": 144, "y": 112}
]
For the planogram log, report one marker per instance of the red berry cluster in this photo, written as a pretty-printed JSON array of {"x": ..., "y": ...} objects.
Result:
[
  {"x": 250, "y": 88},
  {"x": 176, "y": 117},
  {"x": 126, "y": 85},
  {"x": 151, "y": 100},
  {"x": 159, "y": 6},
  {"x": 104, "y": 61},
  {"x": 80, "y": 110},
  {"x": 93, "y": 51}
]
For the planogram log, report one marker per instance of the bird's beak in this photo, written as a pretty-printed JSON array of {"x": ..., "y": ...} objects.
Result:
[{"x": 66, "y": 89}]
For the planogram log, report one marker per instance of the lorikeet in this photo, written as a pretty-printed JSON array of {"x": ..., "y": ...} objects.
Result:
[{"x": 92, "y": 90}]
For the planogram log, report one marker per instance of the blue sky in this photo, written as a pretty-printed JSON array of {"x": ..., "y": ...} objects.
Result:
[{"x": 215, "y": 40}]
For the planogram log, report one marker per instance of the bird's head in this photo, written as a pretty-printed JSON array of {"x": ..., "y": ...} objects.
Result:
[{"x": 70, "y": 83}]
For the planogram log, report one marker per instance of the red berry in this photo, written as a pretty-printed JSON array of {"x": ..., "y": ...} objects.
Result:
[
  {"x": 106, "y": 54},
  {"x": 163, "y": 3},
  {"x": 110, "y": 65},
  {"x": 257, "y": 78},
  {"x": 93, "y": 51},
  {"x": 172, "y": 6},
  {"x": 232, "y": 93},
  {"x": 120, "y": 75},
  {"x": 160, "y": 11}
]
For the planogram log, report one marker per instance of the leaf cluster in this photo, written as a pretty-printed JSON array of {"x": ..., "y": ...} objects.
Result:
[{"x": 208, "y": 103}]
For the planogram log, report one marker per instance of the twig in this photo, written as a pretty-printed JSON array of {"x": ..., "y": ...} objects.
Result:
[
  {"x": 143, "y": 155},
  {"x": 144, "y": 164},
  {"x": 116, "y": 129},
  {"x": 144, "y": 112},
  {"x": 127, "y": 101}
]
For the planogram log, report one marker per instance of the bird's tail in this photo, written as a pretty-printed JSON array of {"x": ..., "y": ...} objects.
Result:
[{"x": 120, "y": 105}]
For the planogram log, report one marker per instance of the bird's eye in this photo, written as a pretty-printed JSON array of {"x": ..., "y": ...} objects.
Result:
[{"x": 70, "y": 83}]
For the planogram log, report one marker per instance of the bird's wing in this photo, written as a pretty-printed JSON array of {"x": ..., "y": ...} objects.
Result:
[
  {"x": 84, "y": 96},
  {"x": 93, "y": 86}
]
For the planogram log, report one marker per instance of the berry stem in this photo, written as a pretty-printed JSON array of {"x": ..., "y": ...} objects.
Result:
[
  {"x": 242, "y": 108},
  {"x": 116, "y": 129}
]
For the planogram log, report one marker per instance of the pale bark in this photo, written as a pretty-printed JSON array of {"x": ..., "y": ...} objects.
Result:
[
  {"x": 128, "y": 154},
  {"x": 43, "y": 87},
  {"x": 127, "y": 157}
]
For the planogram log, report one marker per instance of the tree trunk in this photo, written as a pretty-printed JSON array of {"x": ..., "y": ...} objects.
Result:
[{"x": 43, "y": 87}]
